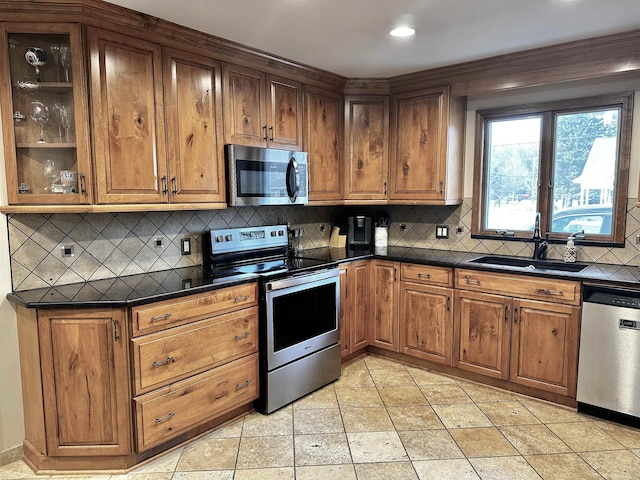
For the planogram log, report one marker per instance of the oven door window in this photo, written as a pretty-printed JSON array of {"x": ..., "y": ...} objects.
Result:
[
  {"x": 304, "y": 314},
  {"x": 261, "y": 179}
]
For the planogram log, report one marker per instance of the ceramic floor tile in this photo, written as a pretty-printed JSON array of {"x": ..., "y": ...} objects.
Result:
[
  {"x": 385, "y": 471},
  {"x": 277, "y": 423},
  {"x": 548, "y": 413},
  {"x": 265, "y": 452},
  {"x": 318, "y": 420},
  {"x": 482, "y": 442},
  {"x": 323, "y": 398},
  {"x": 430, "y": 445},
  {"x": 402, "y": 395},
  {"x": 584, "y": 436},
  {"x": 385, "y": 377},
  {"x": 484, "y": 393},
  {"x": 204, "y": 475},
  {"x": 534, "y": 439},
  {"x": 370, "y": 447},
  {"x": 504, "y": 468},
  {"x": 627, "y": 436},
  {"x": 163, "y": 464},
  {"x": 355, "y": 378},
  {"x": 461, "y": 415},
  {"x": 321, "y": 449},
  {"x": 228, "y": 431},
  {"x": 445, "y": 393},
  {"x": 358, "y": 397},
  {"x": 562, "y": 466},
  {"x": 139, "y": 476},
  {"x": 366, "y": 419},
  {"x": 209, "y": 454},
  {"x": 458, "y": 469},
  {"x": 614, "y": 465},
  {"x": 508, "y": 413},
  {"x": 425, "y": 377},
  {"x": 325, "y": 472},
  {"x": 80, "y": 477},
  {"x": 414, "y": 417},
  {"x": 374, "y": 362},
  {"x": 286, "y": 473}
]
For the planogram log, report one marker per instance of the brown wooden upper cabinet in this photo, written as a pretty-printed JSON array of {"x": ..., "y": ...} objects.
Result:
[
  {"x": 45, "y": 122},
  {"x": 130, "y": 80},
  {"x": 427, "y": 138},
  {"x": 323, "y": 133},
  {"x": 261, "y": 110},
  {"x": 367, "y": 148}
]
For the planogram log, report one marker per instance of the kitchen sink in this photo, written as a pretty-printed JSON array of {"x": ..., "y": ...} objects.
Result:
[{"x": 530, "y": 264}]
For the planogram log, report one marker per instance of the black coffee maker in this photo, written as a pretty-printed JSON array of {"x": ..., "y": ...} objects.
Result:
[{"x": 359, "y": 234}]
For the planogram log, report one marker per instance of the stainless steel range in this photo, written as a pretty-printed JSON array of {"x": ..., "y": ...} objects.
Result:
[{"x": 300, "y": 310}]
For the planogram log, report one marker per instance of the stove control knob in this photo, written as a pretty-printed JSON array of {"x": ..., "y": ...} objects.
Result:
[
  {"x": 228, "y": 238},
  {"x": 219, "y": 238}
]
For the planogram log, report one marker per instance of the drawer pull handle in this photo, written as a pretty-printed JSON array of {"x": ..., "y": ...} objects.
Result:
[
  {"x": 221, "y": 396},
  {"x": 470, "y": 281},
  {"x": 241, "y": 299},
  {"x": 424, "y": 275},
  {"x": 546, "y": 291},
  {"x": 161, "y": 317},
  {"x": 240, "y": 337},
  {"x": 240, "y": 386},
  {"x": 166, "y": 361},
  {"x": 165, "y": 419}
]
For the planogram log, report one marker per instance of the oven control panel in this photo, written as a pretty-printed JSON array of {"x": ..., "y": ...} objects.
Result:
[{"x": 248, "y": 238}]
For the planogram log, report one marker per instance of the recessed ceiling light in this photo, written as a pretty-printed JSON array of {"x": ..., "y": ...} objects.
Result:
[{"x": 402, "y": 32}]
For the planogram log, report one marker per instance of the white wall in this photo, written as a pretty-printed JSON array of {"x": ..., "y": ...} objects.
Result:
[{"x": 11, "y": 423}]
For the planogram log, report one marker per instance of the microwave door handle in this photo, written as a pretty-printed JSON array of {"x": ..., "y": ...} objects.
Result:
[{"x": 293, "y": 166}]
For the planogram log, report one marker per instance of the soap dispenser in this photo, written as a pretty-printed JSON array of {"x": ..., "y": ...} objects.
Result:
[{"x": 570, "y": 250}]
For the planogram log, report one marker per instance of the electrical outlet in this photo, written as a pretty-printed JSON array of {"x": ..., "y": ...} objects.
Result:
[
  {"x": 459, "y": 230},
  {"x": 442, "y": 231},
  {"x": 67, "y": 251},
  {"x": 158, "y": 242},
  {"x": 403, "y": 227},
  {"x": 185, "y": 246}
]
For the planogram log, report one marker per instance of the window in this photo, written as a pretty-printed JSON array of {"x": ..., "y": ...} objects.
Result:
[{"x": 567, "y": 160}]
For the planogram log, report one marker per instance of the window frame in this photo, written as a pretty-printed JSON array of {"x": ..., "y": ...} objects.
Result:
[{"x": 548, "y": 112}]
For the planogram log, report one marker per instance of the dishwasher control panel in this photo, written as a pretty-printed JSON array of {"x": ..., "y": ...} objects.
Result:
[{"x": 613, "y": 296}]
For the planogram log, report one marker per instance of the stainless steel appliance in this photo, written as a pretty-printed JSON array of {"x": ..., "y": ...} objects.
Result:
[
  {"x": 266, "y": 176},
  {"x": 359, "y": 233},
  {"x": 609, "y": 364},
  {"x": 299, "y": 310}
]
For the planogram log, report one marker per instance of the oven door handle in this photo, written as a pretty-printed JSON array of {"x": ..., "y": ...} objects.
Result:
[
  {"x": 302, "y": 278},
  {"x": 293, "y": 180}
]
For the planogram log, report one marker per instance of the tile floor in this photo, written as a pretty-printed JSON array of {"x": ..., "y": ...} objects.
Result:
[{"x": 385, "y": 421}]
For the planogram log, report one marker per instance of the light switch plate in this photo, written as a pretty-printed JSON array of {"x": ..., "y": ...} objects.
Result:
[
  {"x": 442, "y": 231},
  {"x": 185, "y": 246}
]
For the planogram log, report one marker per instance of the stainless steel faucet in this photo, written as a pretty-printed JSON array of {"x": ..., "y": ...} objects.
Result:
[{"x": 539, "y": 246}]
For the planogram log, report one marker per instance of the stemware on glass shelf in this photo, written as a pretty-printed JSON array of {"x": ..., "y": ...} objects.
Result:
[
  {"x": 50, "y": 173},
  {"x": 40, "y": 115},
  {"x": 64, "y": 52},
  {"x": 55, "y": 52},
  {"x": 61, "y": 113},
  {"x": 36, "y": 57}
]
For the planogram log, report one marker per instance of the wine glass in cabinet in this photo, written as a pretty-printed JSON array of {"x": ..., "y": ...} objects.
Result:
[{"x": 44, "y": 114}]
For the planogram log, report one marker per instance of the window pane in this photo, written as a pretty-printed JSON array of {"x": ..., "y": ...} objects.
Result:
[
  {"x": 513, "y": 156},
  {"x": 585, "y": 159}
]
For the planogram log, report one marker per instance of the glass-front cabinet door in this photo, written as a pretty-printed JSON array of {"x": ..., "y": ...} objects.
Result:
[{"x": 44, "y": 114}]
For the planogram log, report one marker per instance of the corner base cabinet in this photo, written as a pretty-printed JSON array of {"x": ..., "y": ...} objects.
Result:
[{"x": 94, "y": 400}]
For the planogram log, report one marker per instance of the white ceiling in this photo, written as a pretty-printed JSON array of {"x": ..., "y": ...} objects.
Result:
[{"x": 350, "y": 37}]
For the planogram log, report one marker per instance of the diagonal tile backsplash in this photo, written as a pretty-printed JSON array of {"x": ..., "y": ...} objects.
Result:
[{"x": 108, "y": 245}]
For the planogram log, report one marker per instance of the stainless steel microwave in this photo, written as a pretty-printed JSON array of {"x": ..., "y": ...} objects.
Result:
[{"x": 266, "y": 176}]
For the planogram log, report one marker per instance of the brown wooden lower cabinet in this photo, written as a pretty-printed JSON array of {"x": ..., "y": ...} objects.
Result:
[
  {"x": 78, "y": 382},
  {"x": 354, "y": 284},
  {"x": 385, "y": 290}
]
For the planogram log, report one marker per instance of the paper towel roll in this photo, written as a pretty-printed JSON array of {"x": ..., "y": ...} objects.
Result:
[{"x": 381, "y": 237}]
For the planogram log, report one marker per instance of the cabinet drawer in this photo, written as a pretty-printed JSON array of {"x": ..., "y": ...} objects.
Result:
[
  {"x": 178, "y": 311},
  {"x": 537, "y": 288},
  {"x": 427, "y": 274},
  {"x": 170, "y": 411},
  {"x": 165, "y": 357}
]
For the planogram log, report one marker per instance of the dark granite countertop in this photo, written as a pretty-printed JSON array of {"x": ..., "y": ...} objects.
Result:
[{"x": 150, "y": 287}]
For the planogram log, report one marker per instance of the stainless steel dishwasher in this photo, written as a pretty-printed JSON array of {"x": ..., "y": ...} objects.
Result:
[{"x": 609, "y": 363}]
